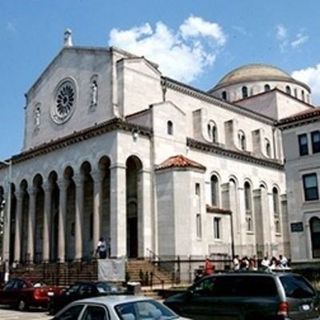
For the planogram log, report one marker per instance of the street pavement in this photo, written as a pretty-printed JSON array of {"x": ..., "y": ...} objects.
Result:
[{"x": 7, "y": 313}]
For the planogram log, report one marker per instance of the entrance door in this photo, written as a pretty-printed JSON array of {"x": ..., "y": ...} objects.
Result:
[{"x": 132, "y": 237}]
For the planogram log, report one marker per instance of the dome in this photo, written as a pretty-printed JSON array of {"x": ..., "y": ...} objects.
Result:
[{"x": 256, "y": 72}]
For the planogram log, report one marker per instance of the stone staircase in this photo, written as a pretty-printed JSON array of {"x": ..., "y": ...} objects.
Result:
[
  {"x": 147, "y": 273},
  {"x": 64, "y": 274}
]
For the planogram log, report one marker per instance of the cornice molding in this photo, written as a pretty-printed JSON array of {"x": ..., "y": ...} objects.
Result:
[
  {"x": 86, "y": 134},
  {"x": 244, "y": 156},
  {"x": 196, "y": 93}
]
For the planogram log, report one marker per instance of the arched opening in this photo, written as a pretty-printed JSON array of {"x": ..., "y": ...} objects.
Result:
[
  {"x": 24, "y": 220},
  {"x": 214, "y": 190},
  {"x": 288, "y": 90},
  {"x": 241, "y": 140},
  {"x": 244, "y": 92},
  {"x": 87, "y": 223},
  {"x": 70, "y": 213},
  {"x": 133, "y": 198},
  {"x": 170, "y": 128},
  {"x": 248, "y": 204},
  {"x": 39, "y": 212},
  {"x": 224, "y": 95},
  {"x": 12, "y": 223},
  {"x": 54, "y": 216},
  {"x": 276, "y": 209},
  {"x": 104, "y": 166},
  {"x": 212, "y": 131},
  {"x": 315, "y": 237},
  {"x": 268, "y": 148},
  {"x": 267, "y": 87}
]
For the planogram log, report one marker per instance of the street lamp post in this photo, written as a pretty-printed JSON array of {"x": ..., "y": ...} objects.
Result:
[{"x": 7, "y": 221}]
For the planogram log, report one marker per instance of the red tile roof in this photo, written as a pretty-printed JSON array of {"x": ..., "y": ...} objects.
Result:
[{"x": 180, "y": 161}]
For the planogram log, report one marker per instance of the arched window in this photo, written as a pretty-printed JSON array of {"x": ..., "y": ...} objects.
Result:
[
  {"x": 296, "y": 92},
  {"x": 224, "y": 95},
  {"x": 288, "y": 90},
  {"x": 315, "y": 236},
  {"x": 241, "y": 140},
  {"x": 302, "y": 95},
  {"x": 244, "y": 92},
  {"x": 212, "y": 131},
  {"x": 170, "y": 127},
  {"x": 214, "y": 190},
  {"x": 248, "y": 205},
  {"x": 275, "y": 196},
  {"x": 276, "y": 210},
  {"x": 266, "y": 87},
  {"x": 268, "y": 148}
]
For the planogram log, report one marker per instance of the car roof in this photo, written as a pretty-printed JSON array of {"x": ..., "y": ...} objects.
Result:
[
  {"x": 114, "y": 300},
  {"x": 252, "y": 273}
]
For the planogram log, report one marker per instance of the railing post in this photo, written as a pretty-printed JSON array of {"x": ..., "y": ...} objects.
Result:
[{"x": 151, "y": 280}]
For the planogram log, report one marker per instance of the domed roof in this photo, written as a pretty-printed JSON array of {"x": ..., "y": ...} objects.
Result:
[{"x": 255, "y": 72}]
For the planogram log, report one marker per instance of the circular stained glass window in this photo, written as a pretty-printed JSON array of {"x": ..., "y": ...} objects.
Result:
[{"x": 64, "y": 101}]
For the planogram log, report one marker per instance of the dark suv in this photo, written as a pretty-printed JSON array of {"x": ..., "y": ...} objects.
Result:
[{"x": 248, "y": 296}]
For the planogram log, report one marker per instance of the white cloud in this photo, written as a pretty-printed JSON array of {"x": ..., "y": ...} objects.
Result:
[
  {"x": 10, "y": 27},
  {"x": 282, "y": 32},
  {"x": 183, "y": 54},
  {"x": 299, "y": 40},
  {"x": 287, "y": 42},
  {"x": 310, "y": 76}
]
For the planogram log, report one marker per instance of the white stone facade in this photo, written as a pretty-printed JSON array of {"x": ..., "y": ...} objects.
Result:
[
  {"x": 100, "y": 126},
  {"x": 301, "y": 137}
]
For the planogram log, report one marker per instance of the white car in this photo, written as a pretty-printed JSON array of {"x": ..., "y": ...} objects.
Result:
[{"x": 119, "y": 307}]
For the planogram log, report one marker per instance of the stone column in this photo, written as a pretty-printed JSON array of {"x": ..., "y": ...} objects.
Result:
[
  {"x": 118, "y": 210},
  {"x": 79, "y": 182},
  {"x": 31, "y": 222},
  {"x": 17, "y": 241},
  {"x": 144, "y": 214},
  {"x": 47, "y": 187},
  {"x": 97, "y": 193},
  {"x": 63, "y": 187}
]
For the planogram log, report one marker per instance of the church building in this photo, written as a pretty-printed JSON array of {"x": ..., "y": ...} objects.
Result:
[{"x": 114, "y": 148}]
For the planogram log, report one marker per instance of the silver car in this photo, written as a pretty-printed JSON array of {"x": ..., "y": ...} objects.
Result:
[{"x": 116, "y": 308}]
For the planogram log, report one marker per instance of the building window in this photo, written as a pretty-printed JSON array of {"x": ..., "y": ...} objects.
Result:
[
  {"x": 315, "y": 236},
  {"x": 224, "y": 95},
  {"x": 302, "y": 95},
  {"x": 244, "y": 92},
  {"x": 197, "y": 189},
  {"x": 303, "y": 144},
  {"x": 288, "y": 90},
  {"x": 248, "y": 205},
  {"x": 242, "y": 140},
  {"x": 170, "y": 127},
  {"x": 268, "y": 148},
  {"x": 275, "y": 197},
  {"x": 277, "y": 226},
  {"x": 310, "y": 186},
  {"x": 217, "y": 228},
  {"x": 212, "y": 131},
  {"x": 315, "y": 138},
  {"x": 214, "y": 190},
  {"x": 266, "y": 87},
  {"x": 198, "y": 224}
]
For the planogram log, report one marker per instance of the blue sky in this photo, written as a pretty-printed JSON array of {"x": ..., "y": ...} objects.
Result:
[{"x": 204, "y": 39}]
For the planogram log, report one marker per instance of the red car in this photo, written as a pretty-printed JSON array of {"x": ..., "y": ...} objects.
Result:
[{"x": 22, "y": 294}]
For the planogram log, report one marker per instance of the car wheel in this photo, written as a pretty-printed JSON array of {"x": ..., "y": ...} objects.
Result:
[{"x": 22, "y": 305}]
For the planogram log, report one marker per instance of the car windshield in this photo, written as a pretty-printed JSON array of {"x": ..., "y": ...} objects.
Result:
[
  {"x": 104, "y": 287},
  {"x": 147, "y": 310},
  {"x": 297, "y": 287}
]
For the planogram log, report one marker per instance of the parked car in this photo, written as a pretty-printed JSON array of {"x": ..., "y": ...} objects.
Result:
[
  {"x": 119, "y": 307},
  {"x": 22, "y": 293},
  {"x": 81, "y": 290},
  {"x": 249, "y": 296}
]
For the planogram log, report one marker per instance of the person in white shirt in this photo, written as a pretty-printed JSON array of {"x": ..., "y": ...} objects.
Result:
[{"x": 102, "y": 248}]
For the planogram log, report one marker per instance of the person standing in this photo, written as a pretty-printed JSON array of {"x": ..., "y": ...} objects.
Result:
[
  {"x": 102, "y": 248},
  {"x": 208, "y": 267}
]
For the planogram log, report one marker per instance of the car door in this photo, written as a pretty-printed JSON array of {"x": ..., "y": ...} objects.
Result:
[
  {"x": 200, "y": 301},
  {"x": 6, "y": 294},
  {"x": 94, "y": 312}
]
